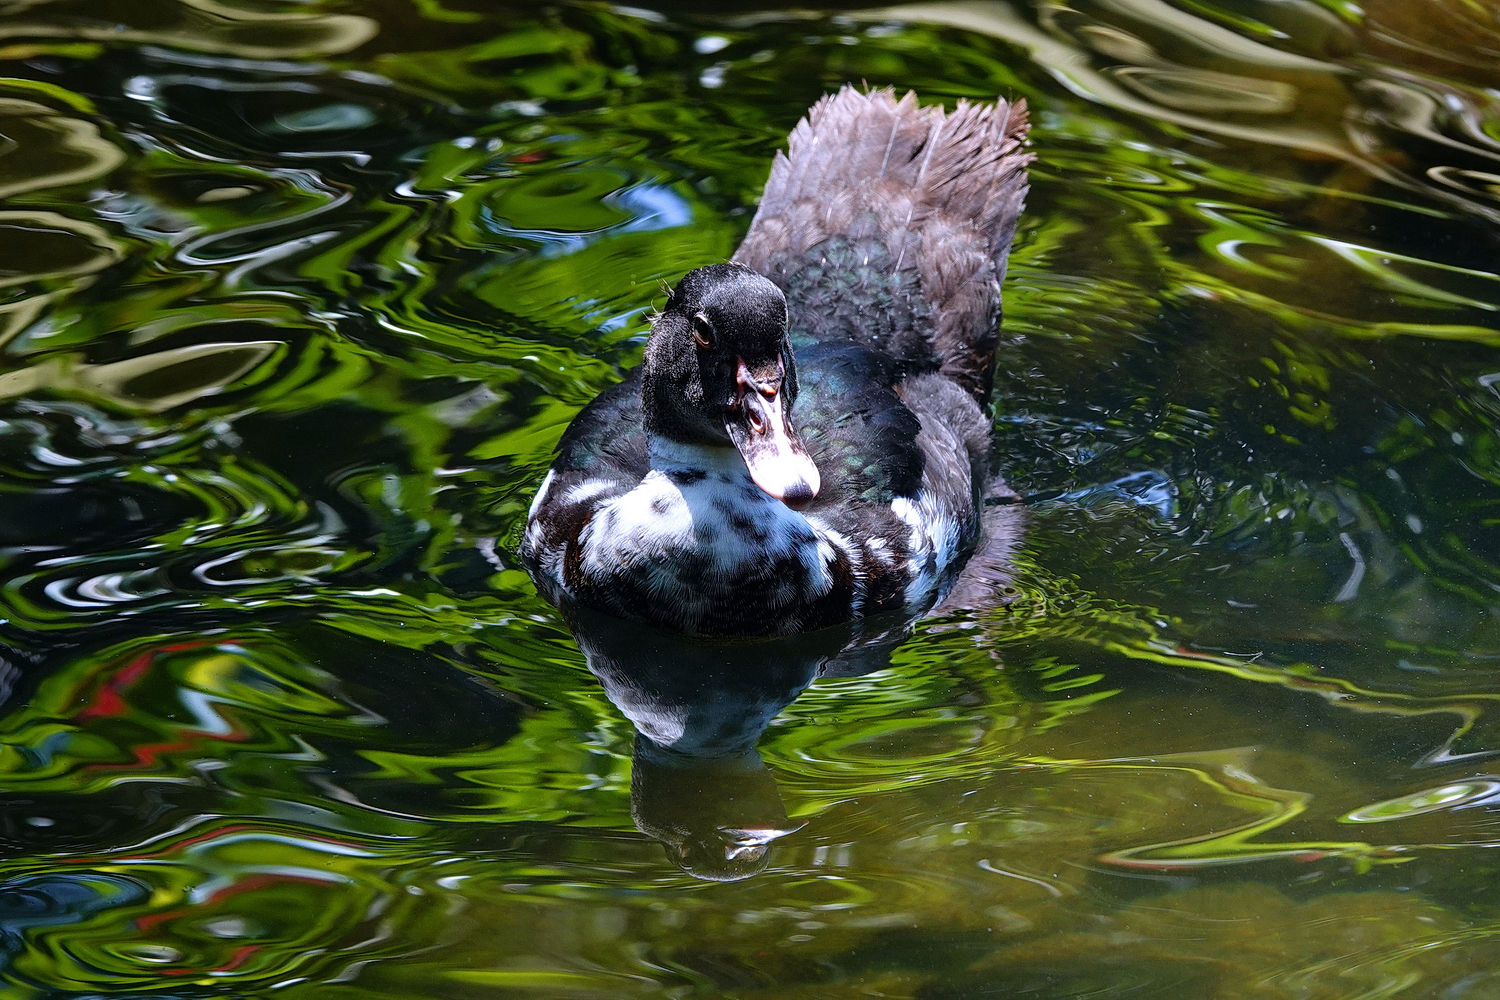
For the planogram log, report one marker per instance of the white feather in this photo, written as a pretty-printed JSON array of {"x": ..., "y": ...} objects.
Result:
[
  {"x": 587, "y": 490},
  {"x": 541, "y": 495},
  {"x": 933, "y": 542}
]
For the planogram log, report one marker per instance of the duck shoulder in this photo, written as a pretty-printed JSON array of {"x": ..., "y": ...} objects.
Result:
[{"x": 607, "y": 439}]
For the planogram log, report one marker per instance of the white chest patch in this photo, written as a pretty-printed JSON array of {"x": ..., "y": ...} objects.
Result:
[
  {"x": 697, "y": 537},
  {"x": 682, "y": 535}
]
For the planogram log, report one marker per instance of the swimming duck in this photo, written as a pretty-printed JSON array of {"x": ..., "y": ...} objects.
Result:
[{"x": 807, "y": 440}]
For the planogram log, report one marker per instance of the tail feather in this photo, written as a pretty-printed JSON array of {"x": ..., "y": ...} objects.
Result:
[{"x": 942, "y": 192}]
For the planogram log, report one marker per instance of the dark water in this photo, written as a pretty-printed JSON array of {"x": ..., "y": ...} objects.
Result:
[{"x": 295, "y": 298}]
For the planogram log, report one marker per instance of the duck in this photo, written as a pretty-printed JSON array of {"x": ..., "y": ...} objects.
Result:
[{"x": 806, "y": 442}]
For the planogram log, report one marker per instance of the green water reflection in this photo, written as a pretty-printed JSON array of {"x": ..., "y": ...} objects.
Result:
[{"x": 295, "y": 298}]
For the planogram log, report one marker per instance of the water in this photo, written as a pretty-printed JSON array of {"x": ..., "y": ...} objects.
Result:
[{"x": 295, "y": 298}]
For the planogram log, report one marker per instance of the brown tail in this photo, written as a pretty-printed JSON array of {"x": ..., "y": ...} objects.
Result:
[{"x": 943, "y": 192}]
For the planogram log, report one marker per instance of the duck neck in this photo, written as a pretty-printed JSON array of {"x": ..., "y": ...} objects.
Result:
[{"x": 671, "y": 456}]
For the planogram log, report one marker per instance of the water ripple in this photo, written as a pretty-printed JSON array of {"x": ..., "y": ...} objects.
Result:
[{"x": 294, "y": 304}]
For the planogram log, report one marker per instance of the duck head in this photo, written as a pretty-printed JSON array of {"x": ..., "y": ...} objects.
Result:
[{"x": 719, "y": 373}]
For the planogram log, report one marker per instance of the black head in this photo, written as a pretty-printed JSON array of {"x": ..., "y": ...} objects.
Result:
[{"x": 719, "y": 373}]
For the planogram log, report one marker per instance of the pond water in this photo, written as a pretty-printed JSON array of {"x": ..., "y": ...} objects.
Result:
[{"x": 297, "y": 295}]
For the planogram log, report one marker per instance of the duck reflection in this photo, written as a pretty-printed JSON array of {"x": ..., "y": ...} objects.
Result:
[{"x": 700, "y": 705}]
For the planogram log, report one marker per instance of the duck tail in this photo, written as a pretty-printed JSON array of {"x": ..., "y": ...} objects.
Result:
[{"x": 942, "y": 192}]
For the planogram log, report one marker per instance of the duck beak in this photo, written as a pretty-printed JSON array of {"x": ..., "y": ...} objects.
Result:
[{"x": 759, "y": 426}]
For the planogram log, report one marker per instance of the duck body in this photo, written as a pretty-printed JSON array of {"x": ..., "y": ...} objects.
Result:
[
  {"x": 807, "y": 441},
  {"x": 683, "y": 537}
]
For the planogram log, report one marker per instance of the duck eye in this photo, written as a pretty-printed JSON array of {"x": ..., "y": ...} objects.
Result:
[{"x": 703, "y": 331}]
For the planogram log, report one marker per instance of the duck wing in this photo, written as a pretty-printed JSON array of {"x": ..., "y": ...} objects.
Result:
[
  {"x": 855, "y": 425},
  {"x": 889, "y": 224},
  {"x": 901, "y": 457}
]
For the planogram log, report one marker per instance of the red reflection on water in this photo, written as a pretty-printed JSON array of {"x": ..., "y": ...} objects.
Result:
[{"x": 110, "y": 701}]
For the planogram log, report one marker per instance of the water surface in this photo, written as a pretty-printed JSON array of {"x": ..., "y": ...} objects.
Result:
[{"x": 296, "y": 297}]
